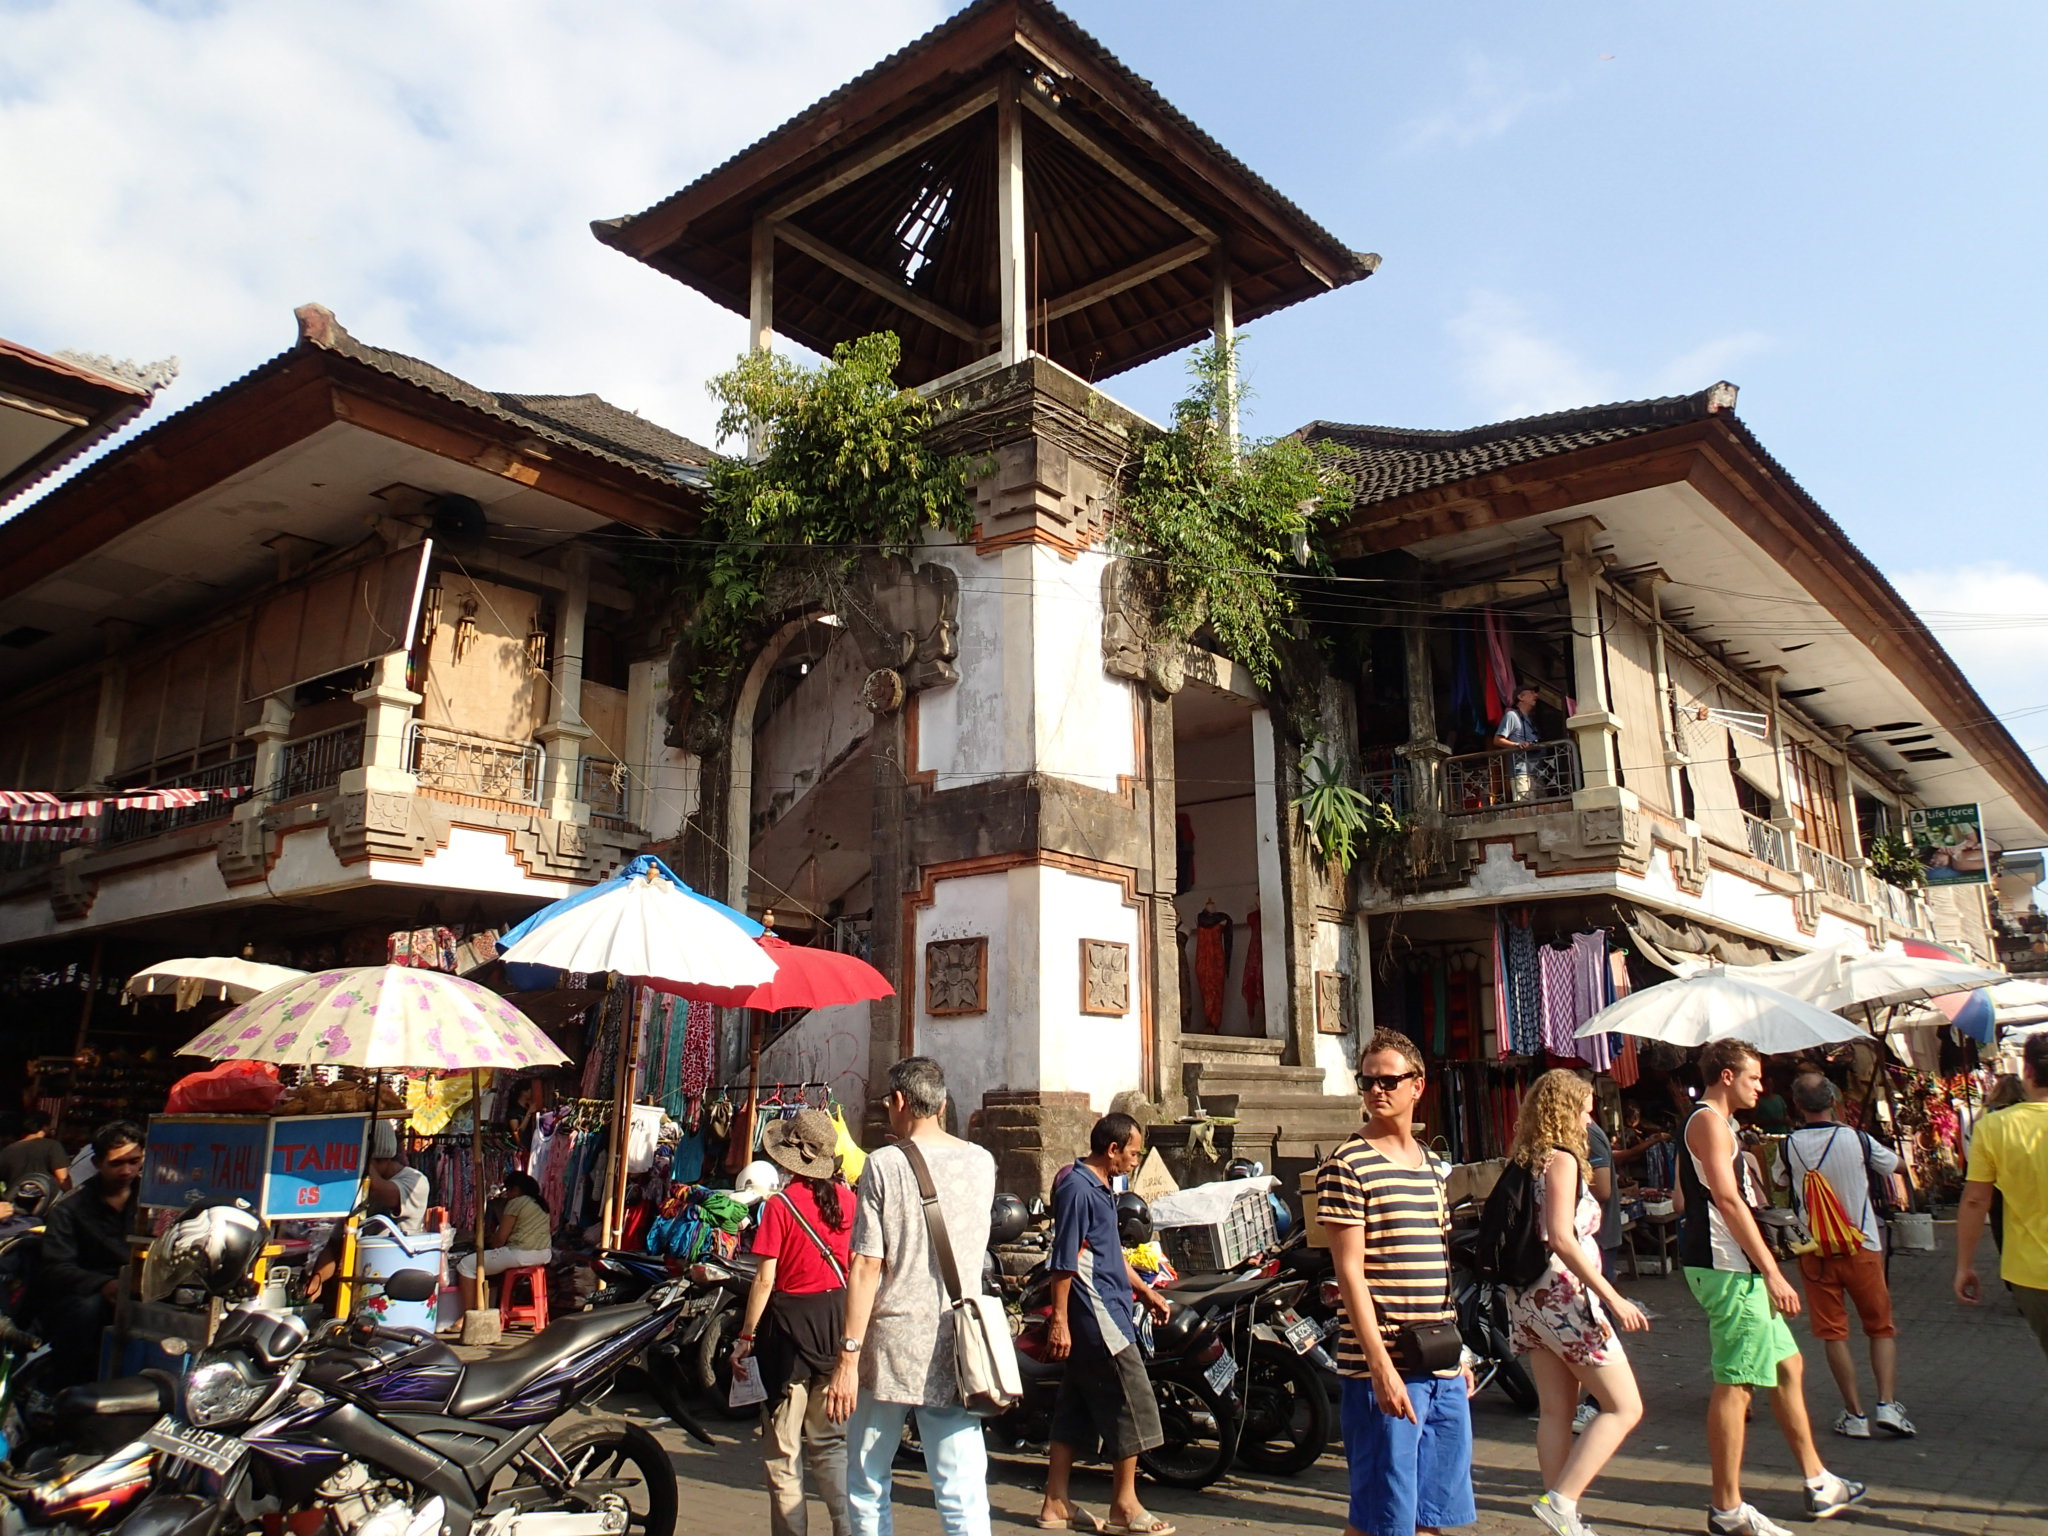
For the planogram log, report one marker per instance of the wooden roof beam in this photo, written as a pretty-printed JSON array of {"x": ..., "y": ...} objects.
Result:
[
  {"x": 1084, "y": 141},
  {"x": 1119, "y": 282},
  {"x": 882, "y": 284},
  {"x": 919, "y": 133}
]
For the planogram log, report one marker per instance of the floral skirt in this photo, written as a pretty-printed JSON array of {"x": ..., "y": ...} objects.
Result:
[{"x": 1559, "y": 1314}]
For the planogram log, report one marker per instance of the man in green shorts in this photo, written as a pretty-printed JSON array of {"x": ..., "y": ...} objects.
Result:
[{"x": 1733, "y": 1276}]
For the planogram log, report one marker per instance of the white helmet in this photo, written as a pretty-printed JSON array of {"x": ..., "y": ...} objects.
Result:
[
  {"x": 214, "y": 1248},
  {"x": 757, "y": 1181}
]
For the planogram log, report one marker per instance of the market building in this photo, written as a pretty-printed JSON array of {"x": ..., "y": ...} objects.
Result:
[{"x": 375, "y": 612}]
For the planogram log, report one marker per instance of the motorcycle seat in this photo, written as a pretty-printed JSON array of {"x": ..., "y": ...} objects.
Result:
[
  {"x": 1191, "y": 1286},
  {"x": 489, "y": 1383},
  {"x": 1235, "y": 1288},
  {"x": 126, "y": 1395}
]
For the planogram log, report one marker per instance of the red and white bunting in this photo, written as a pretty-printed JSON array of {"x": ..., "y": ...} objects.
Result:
[
  {"x": 41, "y": 805},
  {"x": 59, "y": 832}
]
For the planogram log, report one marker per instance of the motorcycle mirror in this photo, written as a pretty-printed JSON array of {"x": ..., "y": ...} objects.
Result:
[{"x": 412, "y": 1285}]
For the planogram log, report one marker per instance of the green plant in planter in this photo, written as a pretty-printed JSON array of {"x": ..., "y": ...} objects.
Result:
[
  {"x": 1344, "y": 824},
  {"x": 1893, "y": 860},
  {"x": 1221, "y": 527},
  {"x": 845, "y": 472}
]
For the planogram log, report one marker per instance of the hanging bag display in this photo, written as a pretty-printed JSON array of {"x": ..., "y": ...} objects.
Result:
[{"x": 984, "y": 1353}]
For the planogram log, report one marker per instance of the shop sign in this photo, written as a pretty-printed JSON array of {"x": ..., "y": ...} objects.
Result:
[
  {"x": 316, "y": 1165},
  {"x": 296, "y": 1166},
  {"x": 1949, "y": 842}
]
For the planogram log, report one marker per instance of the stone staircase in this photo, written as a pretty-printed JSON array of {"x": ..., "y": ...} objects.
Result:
[{"x": 1284, "y": 1119}]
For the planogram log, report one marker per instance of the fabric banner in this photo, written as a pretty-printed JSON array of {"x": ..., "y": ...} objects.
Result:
[{"x": 41, "y": 805}]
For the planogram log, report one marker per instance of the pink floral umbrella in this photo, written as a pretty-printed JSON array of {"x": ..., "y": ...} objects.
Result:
[{"x": 386, "y": 1016}]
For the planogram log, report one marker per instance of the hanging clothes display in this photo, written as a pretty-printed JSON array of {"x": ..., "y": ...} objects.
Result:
[
  {"x": 1521, "y": 987},
  {"x": 1560, "y": 1000},
  {"x": 1212, "y": 964},
  {"x": 1183, "y": 854},
  {"x": 1253, "y": 987},
  {"x": 1594, "y": 991}
]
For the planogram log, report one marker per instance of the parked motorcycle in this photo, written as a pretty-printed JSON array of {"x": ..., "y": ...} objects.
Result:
[
  {"x": 1285, "y": 1404},
  {"x": 374, "y": 1431},
  {"x": 1482, "y": 1311},
  {"x": 75, "y": 1462}
]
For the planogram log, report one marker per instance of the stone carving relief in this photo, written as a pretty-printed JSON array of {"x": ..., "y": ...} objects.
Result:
[
  {"x": 906, "y": 620},
  {"x": 1105, "y": 977},
  {"x": 1129, "y": 648},
  {"x": 1333, "y": 1003},
  {"x": 956, "y": 976}
]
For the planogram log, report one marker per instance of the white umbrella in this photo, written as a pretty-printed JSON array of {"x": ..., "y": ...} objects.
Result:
[
  {"x": 1721, "y": 1005},
  {"x": 384, "y": 1016},
  {"x": 226, "y": 976},
  {"x": 1837, "y": 977},
  {"x": 648, "y": 927}
]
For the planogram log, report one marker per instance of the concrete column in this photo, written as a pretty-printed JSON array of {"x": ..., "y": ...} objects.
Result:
[
  {"x": 272, "y": 729},
  {"x": 1595, "y": 727},
  {"x": 387, "y": 710},
  {"x": 106, "y": 724},
  {"x": 1674, "y": 760},
  {"x": 1010, "y": 270},
  {"x": 1225, "y": 332},
  {"x": 1424, "y": 753},
  {"x": 564, "y": 734}
]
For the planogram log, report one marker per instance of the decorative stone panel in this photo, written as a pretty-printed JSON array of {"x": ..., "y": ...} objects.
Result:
[
  {"x": 1105, "y": 977},
  {"x": 1333, "y": 1003},
  {"x": 956, "y": 976}
]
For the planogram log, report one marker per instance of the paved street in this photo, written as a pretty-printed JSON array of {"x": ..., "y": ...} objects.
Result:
[{"x": 1972, "y": 1381}]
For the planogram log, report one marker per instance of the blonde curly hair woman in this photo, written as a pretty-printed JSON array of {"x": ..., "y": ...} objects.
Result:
[{"x": 1565, "y": 1322}]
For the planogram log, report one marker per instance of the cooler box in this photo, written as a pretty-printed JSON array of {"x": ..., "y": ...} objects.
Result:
[{"x": 383, "y": 1251}]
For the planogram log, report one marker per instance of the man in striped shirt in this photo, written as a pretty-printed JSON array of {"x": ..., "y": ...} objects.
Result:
[{"x": 1407, "y": 1429}]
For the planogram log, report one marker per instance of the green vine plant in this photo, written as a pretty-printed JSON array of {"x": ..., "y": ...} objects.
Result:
[
  {"x": 1343, "y": 823},
  {"x": 1219, "y": 528},
  {"x": 844, "y": 472},
  {"x": 1894, "y": 861}
]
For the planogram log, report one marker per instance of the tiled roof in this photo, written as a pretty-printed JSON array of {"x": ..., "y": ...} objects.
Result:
[
  {"x": 1386, "y": 463},
  {"x": 1146, "y": 90},
  {"x": 586, "y": 422}
]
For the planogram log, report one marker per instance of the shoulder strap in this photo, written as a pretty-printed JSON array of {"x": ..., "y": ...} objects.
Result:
[
  {"x": 812, "y": 1232},
  {"x": 934, "y": 1219}
]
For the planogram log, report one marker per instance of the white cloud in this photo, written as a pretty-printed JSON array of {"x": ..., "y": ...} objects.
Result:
[
  {"x": 1511, "y": 366},
  {"x": 1495, "y": 97},
  {"x": 177, "y": 178}
]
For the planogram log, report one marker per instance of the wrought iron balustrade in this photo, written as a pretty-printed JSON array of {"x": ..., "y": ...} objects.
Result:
[
  {"x": 475, "y": 765},
  {"x": 1770, "y": 843},
  {"x": 314, "y": 763},
  {"x": 1387, "y": 786},
  {"x": 131, "y": 826},
  {"x": 1532, "y": 775},
  {"x": 1836, "y": 876},
  {"x": 602, "y": 786}
]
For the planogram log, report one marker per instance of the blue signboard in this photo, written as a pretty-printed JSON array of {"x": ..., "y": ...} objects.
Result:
[
  {"x": 316, "y": 1166},
  {"x": 296, "y": 1166},
  {"x": 201, "y": 1157}
]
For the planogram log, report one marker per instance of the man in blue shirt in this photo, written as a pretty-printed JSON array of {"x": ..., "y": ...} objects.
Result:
[
  {"x": 1517, "y": 728},
  {"x": 1105, "y": 1394}
]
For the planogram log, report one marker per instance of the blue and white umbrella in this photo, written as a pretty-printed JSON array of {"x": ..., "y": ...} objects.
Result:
[{"x": 646, "y": 924}]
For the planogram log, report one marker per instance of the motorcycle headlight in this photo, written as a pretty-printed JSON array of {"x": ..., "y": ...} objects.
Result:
[{"x": 221, "y": 1392}]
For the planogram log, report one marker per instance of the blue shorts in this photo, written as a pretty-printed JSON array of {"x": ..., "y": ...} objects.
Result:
[{"x": 1406, "y": 1475}]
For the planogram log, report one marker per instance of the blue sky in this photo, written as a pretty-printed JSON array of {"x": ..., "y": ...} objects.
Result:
[{"x": 1837, "y": 206}]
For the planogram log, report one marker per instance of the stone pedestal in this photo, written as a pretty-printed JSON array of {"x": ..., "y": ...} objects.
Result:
[{"x": 1033, "y": 1135}]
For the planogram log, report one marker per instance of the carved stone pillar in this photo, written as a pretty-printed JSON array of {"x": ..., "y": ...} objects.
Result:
[
  {"x": 564, "y": 734},
  {"x": 387, "y": 710},
  {"x": 1595, "y": 728},
  {"x": 242, "y": 853}
]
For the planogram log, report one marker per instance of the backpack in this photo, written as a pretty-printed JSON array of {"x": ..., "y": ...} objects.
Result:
[
  {"x": 1828, "y": 1225},
  {"x": 1510, "y": 1249}
]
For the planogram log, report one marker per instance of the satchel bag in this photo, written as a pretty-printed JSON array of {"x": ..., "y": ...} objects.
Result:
[{"x": 984, "y": 1353}]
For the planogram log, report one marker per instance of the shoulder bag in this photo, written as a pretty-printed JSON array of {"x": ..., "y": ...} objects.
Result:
[
  {"x": 812, "y": 1232},
  {"x": 984, "y": 1353}
]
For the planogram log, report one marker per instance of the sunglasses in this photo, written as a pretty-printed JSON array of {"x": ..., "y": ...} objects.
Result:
[{"x": 1384, "y": 1084}]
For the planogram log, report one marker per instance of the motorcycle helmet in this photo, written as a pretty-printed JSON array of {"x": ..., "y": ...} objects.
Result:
[
  {"x": 212, "y": 1249},
  {"x": 1243, "y": 1168},
  {"x": 29, "y": 1195},
  {"x": 1133, "y": 1220},
  {"x": 1008, "y": 1220},
  {"x": 757, "y": 1181}
]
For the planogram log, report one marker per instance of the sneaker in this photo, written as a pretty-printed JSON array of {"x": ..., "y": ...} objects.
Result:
[
  {"x": 1747, "y": 1521},
  {"x": 1555, "y": 1519},
  {"x": 1830, "y": 1501},
  {"x": 1854, "y": 1425},
  {"x": 1891, "y": 1418},
  {"x": 1587, "y": 1413}
]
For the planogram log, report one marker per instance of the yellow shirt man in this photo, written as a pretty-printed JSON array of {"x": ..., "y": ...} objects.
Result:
[{"x": 2009, "y": 1150}]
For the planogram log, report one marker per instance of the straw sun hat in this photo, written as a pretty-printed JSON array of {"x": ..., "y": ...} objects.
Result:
[{"x": 802, "y": 1144}]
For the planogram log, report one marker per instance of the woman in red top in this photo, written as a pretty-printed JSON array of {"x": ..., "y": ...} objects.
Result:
[{"x": 798, "y": 1309}]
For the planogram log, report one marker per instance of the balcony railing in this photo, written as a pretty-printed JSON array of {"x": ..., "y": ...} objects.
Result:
[
  {"x": 602, "y": 786},
  {"x": 475, "y": 765},
  {"x": 1896, "y": 904},
  {"x": 132, "y": 826},
  {"x": 314, "y": 763},
  {"x": 1771, "y": 844},
  {"x": 1837, "y": 877},
  {"x": 1387, "y": 786},
  {"x": 1480, "y": 781}
]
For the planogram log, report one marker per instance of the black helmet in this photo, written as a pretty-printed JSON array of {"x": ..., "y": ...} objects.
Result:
[
  {"x": 30, "y": 1194},
  {"x": 213, "y": 1247},
  {"x": 1008, "y": 1220},
  {"x": 1243, "y": 1168},
  {"x": 1133, "y": 1220}
]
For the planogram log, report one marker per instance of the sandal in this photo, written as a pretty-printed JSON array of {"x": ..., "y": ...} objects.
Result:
[
  {"x": 1148, "y": 1524},
  {"x": 1079, "y": 1520}
]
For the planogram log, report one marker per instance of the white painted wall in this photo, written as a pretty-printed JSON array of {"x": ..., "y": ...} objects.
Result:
[
  {"x": 997, "y": 1048},
  {"x": 1085, "y": 1053},
  {"x": 1086, "y": 720},
  {"x": 664, "y": 778},
  {"x": 1337, "y": 948},
  {"x": 828, "y": 1045}
]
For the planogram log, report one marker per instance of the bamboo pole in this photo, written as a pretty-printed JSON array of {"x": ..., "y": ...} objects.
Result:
[
  {"x": 476, "y": 1168},
  {"x": 622, "y": 1119}
]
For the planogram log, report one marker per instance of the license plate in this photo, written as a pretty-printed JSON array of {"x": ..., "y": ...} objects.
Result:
[
  {"x": 1303, "y": 1335},
  {"x": 1223, "y": 1372},
  {"x": 203, "y": 1448}
]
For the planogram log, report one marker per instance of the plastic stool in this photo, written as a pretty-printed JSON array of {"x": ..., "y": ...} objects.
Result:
[{"x": 534, "y": 1312}]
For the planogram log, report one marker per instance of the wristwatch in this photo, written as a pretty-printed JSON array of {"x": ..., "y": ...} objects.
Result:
[{"x": 849, "y": 1346}]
